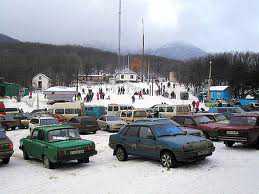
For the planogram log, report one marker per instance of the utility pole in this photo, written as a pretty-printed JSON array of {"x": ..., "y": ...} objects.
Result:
[
  {"x": 143, "y": 49},
  {"x": 119, "y": 37},
  {"x": 209, "y": 84}
]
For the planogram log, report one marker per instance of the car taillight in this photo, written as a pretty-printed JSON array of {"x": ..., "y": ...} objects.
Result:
[
  {"x": 10, "y": 146},
  {"x": 88, "y": 148}
]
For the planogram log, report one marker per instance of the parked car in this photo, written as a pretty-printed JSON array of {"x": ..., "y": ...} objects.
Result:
[
  {"x": 6, "y": 147},
  {"x": 132, "y": 115},
  {"x": 243, "y": 128},
  {"x": 24, "y": 119},
  {"x": 41, "y": 121},
  {"x": 8, "y": 122},
  {"x": 56, "y": 144},
  {"x": 216, "y": 117},
  {"x": 166, "y": 110},
  {"x": 159, "y": 141},
  {"x": 67, "y": 109},
  {"x": 227, "y": 111},
  {"x": 85, "y": 124},
  {"x": 187, "y": 130},
  {"x": 201, "y": 122},
  {"x": 110, "y": 123}
]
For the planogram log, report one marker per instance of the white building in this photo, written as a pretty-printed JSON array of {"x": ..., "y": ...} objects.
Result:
[
  {"x": 126, "y": 75},
  {"x": 41, "y": 82}
]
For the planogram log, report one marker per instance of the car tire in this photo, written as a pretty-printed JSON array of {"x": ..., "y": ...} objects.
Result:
[
  {"x": 6, "y": 160},
  {"x": 85, "y": 160},
  {"x": 25, "y": 154},
  {"x": 121, "y": 153},
  {"x": 13, "y": 128},
  {"x": 229, "y": 143},
  {"x": 47, "y": 163},
  {"x": 168, "y": 160}
]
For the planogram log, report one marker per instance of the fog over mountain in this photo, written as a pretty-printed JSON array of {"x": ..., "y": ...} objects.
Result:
[{"x": 213, "y": 26}]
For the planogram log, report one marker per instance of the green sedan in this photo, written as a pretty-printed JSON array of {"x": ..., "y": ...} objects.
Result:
[{"x": 56, "y": 144}]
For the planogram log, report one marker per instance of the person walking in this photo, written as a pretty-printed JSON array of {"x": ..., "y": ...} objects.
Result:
[{"x": 133, "y": 99}]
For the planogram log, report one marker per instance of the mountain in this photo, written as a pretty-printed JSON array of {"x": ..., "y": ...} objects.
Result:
[
  {"x": 178, "y": 51},
  {"x": 7, "y": 39}
]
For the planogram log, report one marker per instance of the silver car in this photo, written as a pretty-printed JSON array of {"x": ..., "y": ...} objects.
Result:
[{"x": 110, "y": 123}]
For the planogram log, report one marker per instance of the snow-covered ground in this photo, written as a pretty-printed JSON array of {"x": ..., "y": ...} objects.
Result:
[
  {"x": 111, "y": 90},
  {"x": 228, "y": 170}
]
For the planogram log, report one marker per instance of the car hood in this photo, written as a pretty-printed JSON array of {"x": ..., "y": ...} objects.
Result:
[
  {"x": 209, "y": 126},
  {"x": 180, "y": 140},
  {"x": 72, "y": 143}
]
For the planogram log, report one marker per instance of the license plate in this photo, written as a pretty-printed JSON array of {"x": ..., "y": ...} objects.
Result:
[
  {"x": 232, "y": 132},
  {"x": 203, "y": 153},
  {"x": 77, "y": 152}
]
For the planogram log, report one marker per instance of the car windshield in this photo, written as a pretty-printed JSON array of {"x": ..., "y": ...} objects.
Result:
[
  {"x": 220, "y": 117},
  {"x": 251, "y": 121},
  {"x": 113, "y": 118},
  {"x": 139, "y": 114},
  {"x": 2, "y": 134},
  {"x": 202, "y": 120},
  {"x": 63, "y": 135},
  {"x": 167, "y": 130},
  {"x": 48, "y": 122}
]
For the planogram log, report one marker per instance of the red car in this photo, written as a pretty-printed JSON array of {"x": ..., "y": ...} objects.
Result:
[
  {"x": 201, "y": 122},
  {"x": 243, "y": 128}
]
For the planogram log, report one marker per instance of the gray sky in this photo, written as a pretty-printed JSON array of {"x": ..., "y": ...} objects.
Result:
[{"x": 213, "y": 25}]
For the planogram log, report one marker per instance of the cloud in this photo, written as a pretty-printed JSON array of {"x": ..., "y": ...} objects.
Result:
[{"x": 215, "y": 25}]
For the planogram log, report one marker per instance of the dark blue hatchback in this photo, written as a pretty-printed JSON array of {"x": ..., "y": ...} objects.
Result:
[{"x": 160, "y": 141}]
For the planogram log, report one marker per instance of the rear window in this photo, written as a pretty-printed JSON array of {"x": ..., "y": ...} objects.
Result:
[
  {"x": 220, "y": 117},
  {"x": 202, "y": 120},
  {"x": 139, "y": 114},
  {"x": 48, "y": 122}
]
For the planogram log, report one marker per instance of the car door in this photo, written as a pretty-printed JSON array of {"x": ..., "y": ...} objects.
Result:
[
  {"x": 146, "y": 145},
  {"x": 130, "y": 139},
  {"x": 37, "y": 145}
]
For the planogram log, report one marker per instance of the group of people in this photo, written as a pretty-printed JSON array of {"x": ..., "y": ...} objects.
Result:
[
  {"x": 100, "y": 94},
  {"x": 195, "y": 106},
  {"x": 121, "y": 90},
  {"x": 89, "y": 96}
]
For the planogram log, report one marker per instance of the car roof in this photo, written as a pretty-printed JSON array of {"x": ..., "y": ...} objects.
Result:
[
  {"x": 208, "y": 113},
  {"x": 47, "y": 128},
  {"x": 153, "y": 119},
  {"x": 145, "y": 124}
]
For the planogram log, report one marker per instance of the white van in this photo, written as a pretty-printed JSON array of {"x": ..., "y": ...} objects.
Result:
[
  {"x": 66, "y": 109},
  {"x": 166, "y": 110},
  {"x": 115, "y": 109}
]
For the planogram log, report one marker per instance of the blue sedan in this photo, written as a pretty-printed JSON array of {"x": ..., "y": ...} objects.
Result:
[{"x": 159, "y": 141}]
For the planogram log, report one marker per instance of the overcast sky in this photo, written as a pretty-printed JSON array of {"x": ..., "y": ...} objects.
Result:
[{"x": 212, "y": 25}]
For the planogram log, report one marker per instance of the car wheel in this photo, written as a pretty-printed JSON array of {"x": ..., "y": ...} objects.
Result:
[
  {"x": 6, "y": 160},
  {"x": 229, "y": 143},
  {"x": 168, "y": 160},
  {"x": 85, "y": 160},
  {"x": 121, "y": 154},
  {"x": 25, "y": 154},
  {"x": 47, "y": 163},
  {"x": 13, "y": 128}
]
